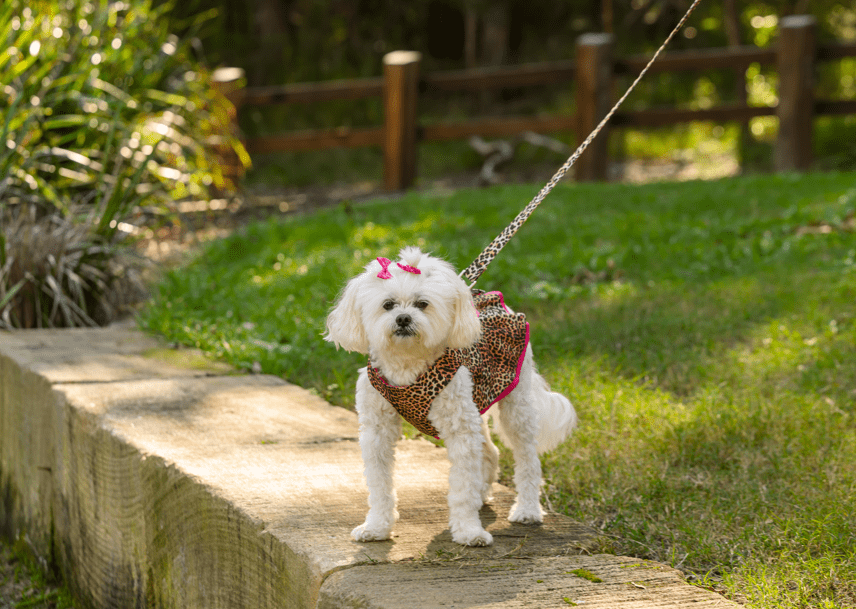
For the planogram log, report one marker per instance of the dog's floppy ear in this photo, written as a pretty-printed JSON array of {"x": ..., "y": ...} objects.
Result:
[
  {"x": 344, "y": 323},
  {"x": 466, "y": 328}
]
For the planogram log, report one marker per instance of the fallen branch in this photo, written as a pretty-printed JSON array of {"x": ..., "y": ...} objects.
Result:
[{"x": 499, "y": 152}]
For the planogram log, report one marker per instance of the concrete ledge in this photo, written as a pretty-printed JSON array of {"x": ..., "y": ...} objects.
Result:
[{"x": 154, "y": 479}]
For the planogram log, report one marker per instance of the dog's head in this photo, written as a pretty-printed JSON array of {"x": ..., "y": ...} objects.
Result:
[{"x": 417, "y": 302}]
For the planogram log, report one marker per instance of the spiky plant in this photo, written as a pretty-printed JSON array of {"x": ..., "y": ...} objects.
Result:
[
  {"x": 103, "y": 114},
  {"x": 54, "y": 275}
]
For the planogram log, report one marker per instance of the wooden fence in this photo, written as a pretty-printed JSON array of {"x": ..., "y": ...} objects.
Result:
[{"x": 593, "y": 71}]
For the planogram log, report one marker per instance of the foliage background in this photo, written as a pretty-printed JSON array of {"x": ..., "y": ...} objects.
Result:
[
  {"x": 107, "y": 118},
  {"x": 285, "y": 41}
]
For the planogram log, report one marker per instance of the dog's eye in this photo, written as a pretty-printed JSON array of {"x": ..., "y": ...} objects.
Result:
[
  {"x": 388, "y": 305},
  {"x": 421, "y": 304}
]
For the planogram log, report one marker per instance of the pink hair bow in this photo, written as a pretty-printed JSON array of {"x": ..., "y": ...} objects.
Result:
[{"x": 384, "y": 268}]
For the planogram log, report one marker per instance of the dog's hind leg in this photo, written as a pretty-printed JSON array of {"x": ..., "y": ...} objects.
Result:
[
  {"x": 490, "y": 462},
  {"x": 519, "y": 424},
  {"x": 380, "y": 428}
]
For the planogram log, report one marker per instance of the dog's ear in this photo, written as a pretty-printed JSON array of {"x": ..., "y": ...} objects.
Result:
[
  {"x": 345, "y": 323},
  {"x": 466, "y": 328}
]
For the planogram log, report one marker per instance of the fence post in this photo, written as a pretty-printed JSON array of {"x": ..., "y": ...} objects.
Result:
[
  {"x": 593, "y": 98},
  {"x": 231, "y": 83},
  {"x": 400, "y": 95},
  {"x": 796, "y": 59}
]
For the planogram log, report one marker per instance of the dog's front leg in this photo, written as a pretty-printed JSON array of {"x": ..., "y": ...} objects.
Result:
[
  {"x": 457, "y": 419},
  {"x": 465, "y": 489},
  {"x": 380, "y": 428}
]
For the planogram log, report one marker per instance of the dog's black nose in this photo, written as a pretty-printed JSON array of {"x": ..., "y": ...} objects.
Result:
[{"x": 403, "y": 320}]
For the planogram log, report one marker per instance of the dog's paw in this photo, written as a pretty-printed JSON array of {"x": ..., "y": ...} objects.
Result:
[
  {"x": 526, "y": 515},
  {"x": 474, "y": 537},
  {"x": 366, "y": 532}
]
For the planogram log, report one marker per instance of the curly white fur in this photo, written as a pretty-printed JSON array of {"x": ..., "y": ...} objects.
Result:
[{"x": 404, "y": 324}]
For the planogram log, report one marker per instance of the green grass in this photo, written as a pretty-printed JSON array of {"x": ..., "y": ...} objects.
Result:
[
  {"x": 705, "y": 332},
  {"x": 24, "y": 583}
]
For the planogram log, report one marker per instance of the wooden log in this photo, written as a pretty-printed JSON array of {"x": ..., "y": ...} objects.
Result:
[
  {"x": 593, "y": 97},
  {"x": 796, "y": 61},
  {"x": 161, "y": 486},
  {"x": 401, "y": 92}
]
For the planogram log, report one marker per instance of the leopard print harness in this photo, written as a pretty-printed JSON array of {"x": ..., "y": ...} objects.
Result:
[{"x": 494, "y": 363}]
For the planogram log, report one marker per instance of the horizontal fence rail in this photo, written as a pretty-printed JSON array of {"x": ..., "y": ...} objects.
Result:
[{"x": 795, "y": 57}]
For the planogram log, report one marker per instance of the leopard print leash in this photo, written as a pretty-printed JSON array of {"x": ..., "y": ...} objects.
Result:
[{"x": 478, "y": 266}]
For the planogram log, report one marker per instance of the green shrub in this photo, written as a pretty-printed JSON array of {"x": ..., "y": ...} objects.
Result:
[
  {"x": 106, "y": 115},
  {"x": 835, "y": 142}
]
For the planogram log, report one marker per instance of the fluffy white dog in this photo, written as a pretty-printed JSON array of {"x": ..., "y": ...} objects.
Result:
[{"x": 411, "y": 317}]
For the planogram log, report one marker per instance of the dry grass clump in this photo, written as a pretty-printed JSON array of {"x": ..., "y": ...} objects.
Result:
[{"x": 56, "y": 273}]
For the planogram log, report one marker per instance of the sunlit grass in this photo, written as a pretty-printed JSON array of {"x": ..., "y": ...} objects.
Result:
[
  {"x": 704, "y": 331},
  {"x": 731, "y": 455}
]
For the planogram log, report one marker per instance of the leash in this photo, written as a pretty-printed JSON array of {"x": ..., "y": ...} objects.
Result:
[{"x": 478, "y": 266}]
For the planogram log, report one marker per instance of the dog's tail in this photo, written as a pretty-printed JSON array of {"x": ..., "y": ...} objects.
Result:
[{"x": 558, "y": 417}]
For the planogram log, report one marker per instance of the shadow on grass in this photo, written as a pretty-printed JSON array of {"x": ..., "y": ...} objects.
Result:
[{"x": 677, "y": 338}]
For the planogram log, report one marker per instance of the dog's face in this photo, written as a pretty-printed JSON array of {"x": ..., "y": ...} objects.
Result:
[{"x": 418, "y": 303}]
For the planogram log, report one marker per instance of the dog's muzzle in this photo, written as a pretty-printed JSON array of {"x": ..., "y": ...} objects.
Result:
[{"x": 404, "y": 325}]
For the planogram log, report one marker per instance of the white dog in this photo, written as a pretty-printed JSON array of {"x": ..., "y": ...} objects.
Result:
[{"x": 417, "y": 321}]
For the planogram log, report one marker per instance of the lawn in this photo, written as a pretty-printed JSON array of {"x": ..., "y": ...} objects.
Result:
[{"x": 705, "y": 331}]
